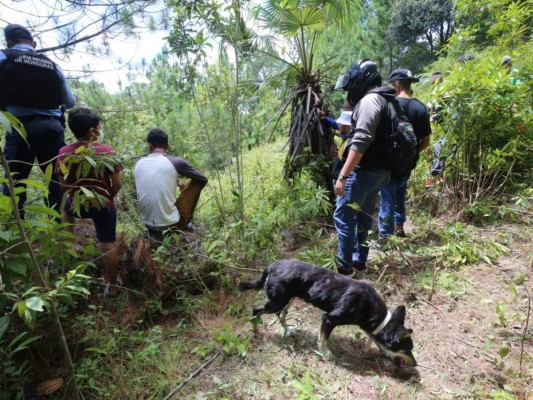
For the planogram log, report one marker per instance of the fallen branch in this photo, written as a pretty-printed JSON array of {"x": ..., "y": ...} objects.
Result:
[
  {"x": 191, "y": 376},
  {"x": 525, "y": 328}
]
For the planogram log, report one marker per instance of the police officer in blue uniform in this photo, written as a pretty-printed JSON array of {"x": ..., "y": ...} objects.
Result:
[{"x": 34, "y": 89}]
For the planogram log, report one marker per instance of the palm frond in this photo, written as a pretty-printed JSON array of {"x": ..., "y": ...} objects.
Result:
[{"x": 310, "y": 18}]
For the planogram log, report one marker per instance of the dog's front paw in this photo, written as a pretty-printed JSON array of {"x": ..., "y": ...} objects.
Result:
[
  {"x": 328, "y": 355},
  {"x": 323, "y": 350},
  {"x": 288, "y": 331},
  {"x": 367, "y": 345}
]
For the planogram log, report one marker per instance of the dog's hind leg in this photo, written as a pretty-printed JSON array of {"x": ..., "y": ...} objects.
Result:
[
  {"x": 281, "y": 316},
  {"x": 274, "y": 306}
]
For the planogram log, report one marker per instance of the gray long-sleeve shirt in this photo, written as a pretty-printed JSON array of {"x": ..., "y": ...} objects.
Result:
[{"x": 365, "y": 122}]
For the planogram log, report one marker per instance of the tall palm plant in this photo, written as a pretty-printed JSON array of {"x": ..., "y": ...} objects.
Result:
[{"x": 300, "y": 22}]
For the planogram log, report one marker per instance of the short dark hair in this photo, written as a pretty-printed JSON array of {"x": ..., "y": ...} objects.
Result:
[
  {"x": 157, "y": 138},
  {"x": 81, "y": 120},
  {"x": 405, "y": 84}
]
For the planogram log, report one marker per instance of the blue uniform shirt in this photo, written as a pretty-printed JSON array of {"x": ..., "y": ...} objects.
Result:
[{"x": 67, "y": 98}]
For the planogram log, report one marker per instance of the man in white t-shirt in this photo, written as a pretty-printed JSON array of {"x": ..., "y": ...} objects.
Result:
[{"x": 157, "y": 177}]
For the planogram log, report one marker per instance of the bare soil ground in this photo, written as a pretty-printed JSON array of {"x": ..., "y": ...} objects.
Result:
[{"x": 459, "y": 340}]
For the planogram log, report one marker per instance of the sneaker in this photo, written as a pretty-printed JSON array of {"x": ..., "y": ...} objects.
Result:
[
  {"x": 359, "y": 266},
  {"x": 398, "y": 231},
  {"x": 344, "y": 271},
  {"x": 190, "y": 227}
]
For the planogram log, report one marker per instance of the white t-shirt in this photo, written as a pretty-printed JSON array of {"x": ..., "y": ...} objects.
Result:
[{"x": 156, "y": 180}]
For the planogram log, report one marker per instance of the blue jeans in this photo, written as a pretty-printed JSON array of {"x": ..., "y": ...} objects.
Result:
[
  {"x": 392, "y": 205},
  {"x": 45, "y": 138},
  {"x": 353, "y": 214}
]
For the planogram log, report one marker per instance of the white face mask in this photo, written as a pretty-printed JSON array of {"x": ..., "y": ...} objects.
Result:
[{"x": 100, "y": 137}]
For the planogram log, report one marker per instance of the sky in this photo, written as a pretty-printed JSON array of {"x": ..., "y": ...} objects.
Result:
[{"x": 126, "y": 54}]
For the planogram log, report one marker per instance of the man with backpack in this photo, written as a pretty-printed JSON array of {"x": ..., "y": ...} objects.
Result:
[
  {"x": 367, "y": 163},
  {"x": 392, "y": 214},
  {"x": 33, "y": 89}
]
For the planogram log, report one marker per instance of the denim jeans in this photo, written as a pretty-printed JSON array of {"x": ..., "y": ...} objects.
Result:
[
  {"x": 353, "y": 214},
  {"x": 392, "y": 205}
]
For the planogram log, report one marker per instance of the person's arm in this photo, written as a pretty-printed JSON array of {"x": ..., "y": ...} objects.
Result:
[
  {"x": 425, "y": 127},
  {"x": 354, "y": 157},
  {"x": 184, "y": 168},
  {"x": 67, "y": 98},
  {"x": 331, "y": 123},
  {"x": 424, "y": 144},
  {"x": 367, "y": 117},
  {"x": 182, "y": 185},
  {"x": 116, "y": 184}
]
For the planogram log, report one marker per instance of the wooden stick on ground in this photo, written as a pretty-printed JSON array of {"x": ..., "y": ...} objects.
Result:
[{"x": 191, "y": 376}]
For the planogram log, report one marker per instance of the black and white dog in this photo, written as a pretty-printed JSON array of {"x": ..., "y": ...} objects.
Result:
[{"x": 345, "y": 300}]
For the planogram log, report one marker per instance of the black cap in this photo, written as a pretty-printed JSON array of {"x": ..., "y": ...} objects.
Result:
[
  {"x": 15, "y": 31},
  {"x": 402, "y": 75}
]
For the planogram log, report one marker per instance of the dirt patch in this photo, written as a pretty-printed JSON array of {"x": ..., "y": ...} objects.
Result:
[{"x": 459, "y": 336}]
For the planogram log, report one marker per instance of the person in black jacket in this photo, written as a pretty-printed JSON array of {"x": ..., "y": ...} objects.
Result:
[
  {"x": 392, "y": 214},
  {"x": 34, "y": 89}
]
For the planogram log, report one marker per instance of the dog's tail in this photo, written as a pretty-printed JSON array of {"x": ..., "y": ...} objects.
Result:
[{"x": 254, "y": 285}]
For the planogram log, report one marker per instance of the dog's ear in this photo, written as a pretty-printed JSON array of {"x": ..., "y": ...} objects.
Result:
[
  {"x": 399, "y": 314},
  {"x": 406, "y": 334},
  {"x": 401, "y": 334}
]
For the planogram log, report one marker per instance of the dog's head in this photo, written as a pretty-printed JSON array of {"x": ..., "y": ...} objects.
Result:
[{"x": 395, "y": 340}]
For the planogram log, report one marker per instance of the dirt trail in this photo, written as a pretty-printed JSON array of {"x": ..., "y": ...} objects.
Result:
[{"x": 457, "y": 338}]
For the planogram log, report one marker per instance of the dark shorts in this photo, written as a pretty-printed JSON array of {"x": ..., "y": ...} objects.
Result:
[{"x": 104, "y": 219}]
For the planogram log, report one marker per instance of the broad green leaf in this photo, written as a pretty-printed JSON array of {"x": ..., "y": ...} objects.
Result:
[
  {"x": 91, "y": 161},
  {"x": 504, "y": 351},
  {"x": 64, "y": 169},
  {"x": 96, "y": 350},
  {"x": 5, "y": 122},
  {"x": 21, "y": 308},
  {"x": 48, "y": 173},
  {"x": 87, "y": 193},
  {"x": 6, "y": 205},
  {"x": 43, "y": 210},
  {"x": 4, "y": 323},
  {"x": 34, "y": 183},
  {"x": 12, "y": 123},
  {"x": 35, "y": 303},
  {"x": 17, "y": 265},
  {"x": 25, "y": 344},
  {"x": 6, "y": 235},
  {"x": 29, "y": 317},
  {"x": 35, "y": 223},
  {"x": 78, "y": 150}
]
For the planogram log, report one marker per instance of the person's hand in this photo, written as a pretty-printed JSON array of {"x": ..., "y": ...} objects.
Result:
[
  {"x": 339, "y": 187},
  {"x": 182, "y": 185}
]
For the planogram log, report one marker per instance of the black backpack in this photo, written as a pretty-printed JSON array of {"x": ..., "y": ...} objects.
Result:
[{"x": 401, "y": 149}]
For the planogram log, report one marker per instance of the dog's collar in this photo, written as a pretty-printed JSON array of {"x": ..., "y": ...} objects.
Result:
[{"x": 383, "y": 323}]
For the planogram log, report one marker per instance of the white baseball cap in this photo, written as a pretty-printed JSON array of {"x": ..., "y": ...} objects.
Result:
[{"x": 345, "y": 118}]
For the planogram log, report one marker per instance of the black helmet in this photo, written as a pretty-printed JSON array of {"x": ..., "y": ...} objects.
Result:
[{"x": 359, "y": 77}]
